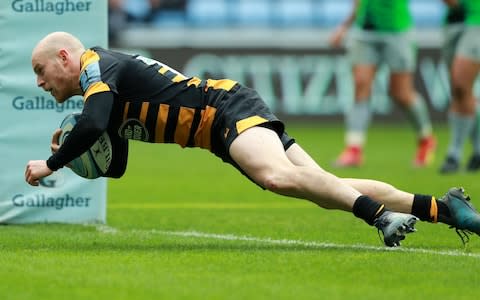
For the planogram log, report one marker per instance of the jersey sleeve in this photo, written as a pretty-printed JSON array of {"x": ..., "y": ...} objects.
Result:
[{"x": 95, "y": 78}]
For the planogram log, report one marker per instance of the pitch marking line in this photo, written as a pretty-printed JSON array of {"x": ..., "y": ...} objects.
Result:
[
  {"x": 270, "y": 241},
  {"x": 209, "y": 205}
]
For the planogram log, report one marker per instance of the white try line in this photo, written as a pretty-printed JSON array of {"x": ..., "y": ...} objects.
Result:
[{"x": 287, "y": 242}]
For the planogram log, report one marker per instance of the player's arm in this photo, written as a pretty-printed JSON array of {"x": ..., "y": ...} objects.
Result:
[
  {"x": 118, "y": 166},
  {"x": 339, "y": 33},
  {"x": 93, "y": 122},
  {"x": 90, "y": 126}
]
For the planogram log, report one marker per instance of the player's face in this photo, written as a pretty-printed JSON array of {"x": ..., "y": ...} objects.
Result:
[{"x": 52, "y": 76}]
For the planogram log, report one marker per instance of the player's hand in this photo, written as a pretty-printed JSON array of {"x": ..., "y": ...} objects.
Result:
[
  {"x": 55, "y": 137},
  {"x": 337, "y": 37},
  {"x": 36, "y": 169}
]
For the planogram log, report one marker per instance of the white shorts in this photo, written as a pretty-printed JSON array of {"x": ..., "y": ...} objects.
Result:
[
  {"x": 469, "y": 43},
  {"x": 396, "y": 49}
]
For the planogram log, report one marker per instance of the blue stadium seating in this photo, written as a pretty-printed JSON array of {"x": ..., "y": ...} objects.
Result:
[
  {"x": 275, "y": 13},
  {"x": 207, "y": 12},
  {"x": 251, "y": 13}
]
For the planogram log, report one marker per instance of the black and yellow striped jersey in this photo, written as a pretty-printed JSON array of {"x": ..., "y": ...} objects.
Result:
[
  {"x": 134, "y": 97},
  {"x": 159, "y": 104}
]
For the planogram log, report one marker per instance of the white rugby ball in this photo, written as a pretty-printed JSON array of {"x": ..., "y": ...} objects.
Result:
[{"x": 95, "y": 161}]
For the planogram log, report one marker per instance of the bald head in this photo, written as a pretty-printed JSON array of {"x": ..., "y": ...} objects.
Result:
[
  {"x": 56, "y": 62},
  {"x": 55, "y": 41}
]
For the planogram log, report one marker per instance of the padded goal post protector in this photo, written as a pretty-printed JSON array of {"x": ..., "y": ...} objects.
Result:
[{"x": 28, "y": 115}]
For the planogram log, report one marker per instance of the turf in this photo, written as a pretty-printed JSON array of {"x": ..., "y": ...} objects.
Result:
[{"x": 183, "y": 225}]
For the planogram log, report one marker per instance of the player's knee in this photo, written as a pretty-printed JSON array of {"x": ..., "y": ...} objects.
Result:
[
  {"x": 271, "y": 183},
  {"x": 402, "y": 97},
  {"x": 277, "y": 182},
  {"x": 459, "y": 91},
  {"x": 362, "y": 86}
]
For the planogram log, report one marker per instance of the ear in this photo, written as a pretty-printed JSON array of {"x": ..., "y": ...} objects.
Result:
[{"x": 64, "y": 56}]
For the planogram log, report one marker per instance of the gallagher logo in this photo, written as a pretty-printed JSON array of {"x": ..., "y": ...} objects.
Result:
[
  {"x": 45, "y": 6},
  {"x": 52, "y": 181}
]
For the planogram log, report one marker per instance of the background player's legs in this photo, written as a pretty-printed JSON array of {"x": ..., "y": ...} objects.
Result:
[
  {"x": 462, "y": 112},
  {"x": 474, "y": 161},
  {"x": 357, "y": 117},
  {"x": 404, "y": 94}
]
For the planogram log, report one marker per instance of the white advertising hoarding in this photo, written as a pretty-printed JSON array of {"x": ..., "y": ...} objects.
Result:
[{"x": 28, "y": 115}]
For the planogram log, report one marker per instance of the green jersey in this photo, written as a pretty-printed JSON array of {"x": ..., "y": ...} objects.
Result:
[
  {"x": 384, "y": 15},
  {"x": 473, "y": 12}
]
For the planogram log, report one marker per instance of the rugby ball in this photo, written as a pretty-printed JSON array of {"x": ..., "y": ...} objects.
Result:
[{"x": 95, "y": 161}]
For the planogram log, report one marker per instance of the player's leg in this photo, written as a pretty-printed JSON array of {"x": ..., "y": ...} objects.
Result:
[
  {"x": 461, "y": 116},
  {"x": 254, "y": 147},
  {"x": 473, "y": 164},
  {"x": 393, "y": 198},
  {"x": 357, "y": 117},
  {"x": 453, "y": 208},
  {"x": 260, "y": 154},
  {"x": 401, "y": 61},
  {"x": 405, "y": 95}
]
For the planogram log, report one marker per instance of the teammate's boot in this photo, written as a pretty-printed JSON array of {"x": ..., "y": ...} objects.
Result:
[
  {"x": 473, "y": 163},
  {"x": 352, "y": 156},
  {"x": 450, "y": 165},
  {"x": 463, "y": 216},
  {"x": 394, "y": 226},
  {"x": 425, "y": 151}
]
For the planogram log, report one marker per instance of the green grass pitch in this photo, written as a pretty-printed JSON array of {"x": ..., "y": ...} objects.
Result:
[{"x": 183, "y": 225}]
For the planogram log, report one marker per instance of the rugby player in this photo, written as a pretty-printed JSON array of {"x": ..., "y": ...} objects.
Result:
[
  {"x": 134, "y": 97},
  {"x": 464, "y": 113},
  {"x": 381, "y": 34}
]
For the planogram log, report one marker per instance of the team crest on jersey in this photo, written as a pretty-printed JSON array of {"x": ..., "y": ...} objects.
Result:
[{"x": 133, "y": 129}]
